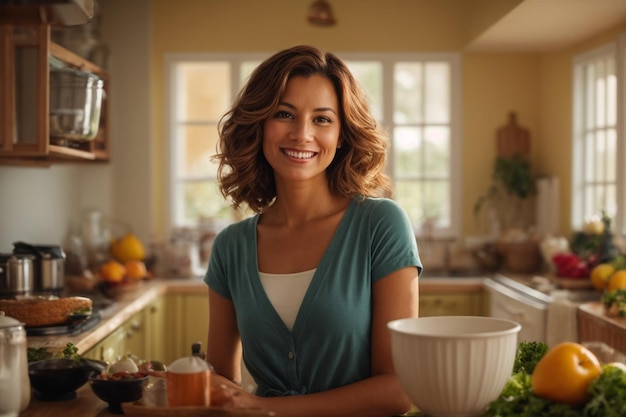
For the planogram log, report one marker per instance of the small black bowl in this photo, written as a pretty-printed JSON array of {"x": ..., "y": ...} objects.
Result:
[
  {"x": 116, "y": 392},
  {"x": 58, "y": 379}
]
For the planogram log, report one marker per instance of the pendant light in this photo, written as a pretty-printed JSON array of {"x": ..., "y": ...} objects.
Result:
[{"x": 321, "y": 14}]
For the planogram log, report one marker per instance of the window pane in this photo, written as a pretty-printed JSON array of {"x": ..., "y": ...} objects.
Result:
[
  {"x": 246, "y": 69},
  {"x": 611, "y": 95},
  {"x": 204, "y": 90},
  {"x": 437, "y": 144},
  {"x": 203, "y": 199},
  {"x": 407, "y": 148},
  {"x": 611, "y": 155},
  {"x": 197, "y": 144},
  {"x": 408, "y": 78},
  {"x": 425, "y": 200},
  {"x": 370, "y": 76},
  {"x": 437, "y": 92}
]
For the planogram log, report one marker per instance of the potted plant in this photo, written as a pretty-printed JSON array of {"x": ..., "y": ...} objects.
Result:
[{"x": 513, "y": 185}]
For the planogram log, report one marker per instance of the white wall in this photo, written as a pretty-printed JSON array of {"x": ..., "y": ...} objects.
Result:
[{"x": 38, "y": 205}]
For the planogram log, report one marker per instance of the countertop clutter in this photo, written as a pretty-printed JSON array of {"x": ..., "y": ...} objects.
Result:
[{"x": 128, "y": 304}]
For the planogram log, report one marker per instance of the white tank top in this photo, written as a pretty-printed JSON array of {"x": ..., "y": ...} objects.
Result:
[{"x": 286, "y": 291}]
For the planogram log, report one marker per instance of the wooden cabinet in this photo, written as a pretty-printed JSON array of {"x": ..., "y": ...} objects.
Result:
[
  {"x": 594, "y": 325},
  {"x": 26, "y": 53},
  {"x": 452, "y": 304}
]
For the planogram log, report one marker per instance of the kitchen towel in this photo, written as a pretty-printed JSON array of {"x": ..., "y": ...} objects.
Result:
[{"x": 562, "y": 322}]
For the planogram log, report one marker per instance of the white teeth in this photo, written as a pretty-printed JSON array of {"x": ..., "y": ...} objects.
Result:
[{"x": 299, "y": 155}]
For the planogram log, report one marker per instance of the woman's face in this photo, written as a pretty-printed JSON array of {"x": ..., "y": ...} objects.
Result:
[{"x": 300, "y": 139}]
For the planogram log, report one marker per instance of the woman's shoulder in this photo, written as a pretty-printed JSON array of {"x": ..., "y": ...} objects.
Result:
[
  {"x": 382, "y": 205},
  {"x": 239, "y": 228}
]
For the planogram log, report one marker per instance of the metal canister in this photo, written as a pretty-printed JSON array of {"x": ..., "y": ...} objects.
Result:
[
  {"x": 49, "y": 266},
  {"x": 14, "y": 382},
  {"x": 17, "y": 275}
]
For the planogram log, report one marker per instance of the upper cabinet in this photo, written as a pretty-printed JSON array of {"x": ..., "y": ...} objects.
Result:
[{"x": 54, "y": 104}]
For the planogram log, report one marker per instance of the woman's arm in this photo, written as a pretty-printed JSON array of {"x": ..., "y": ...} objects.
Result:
[
  {"x": 224, "y": 344},
  {"x": 394, "y": 296}
]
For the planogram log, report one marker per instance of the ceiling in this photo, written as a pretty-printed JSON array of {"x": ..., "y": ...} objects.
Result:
[{"x": 549, "y": 25}]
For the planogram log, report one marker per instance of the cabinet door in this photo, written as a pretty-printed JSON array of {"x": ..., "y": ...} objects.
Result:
[
  {"x": 135, "y": 334},
  {"x": 453, "y": 304},
  {"x": 110, "y": 348},
  {"x": 24, "y": 79},
  {"x": 187, "y": 322},
  {"x": 155, "y": 314}
]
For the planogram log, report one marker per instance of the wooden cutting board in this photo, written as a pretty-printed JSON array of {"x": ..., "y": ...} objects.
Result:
[
  {"x": 136, "y": 410},
  {"x": 512, "y": 139}
]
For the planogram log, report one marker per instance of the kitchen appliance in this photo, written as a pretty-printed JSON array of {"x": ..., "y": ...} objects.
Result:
[
  {"x": 547, "y": 310},
  {"x": 512, "y": 300},
  {"x": 16, "y": 275},
  {"x": 75, "y": 104},
  {"x": 14, "y": 381},
  {"x": 49, "y": 266}
]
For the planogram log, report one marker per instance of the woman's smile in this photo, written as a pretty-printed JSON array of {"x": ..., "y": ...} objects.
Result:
[{"x": 300, "y": 155}]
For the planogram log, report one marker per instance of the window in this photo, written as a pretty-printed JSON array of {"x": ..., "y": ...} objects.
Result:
[
  {"x": 597, "y": 151},
  {"x": 416, "y": 97}
]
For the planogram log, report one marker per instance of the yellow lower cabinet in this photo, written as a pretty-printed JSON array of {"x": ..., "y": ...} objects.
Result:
[
  {"x": 135, "y": 333},
  {"x": 110, "y": 348},
  {"x": 155, "y": 330},
  {"x": 187, "y": 322},
  {"x": 452, "y": 304}
]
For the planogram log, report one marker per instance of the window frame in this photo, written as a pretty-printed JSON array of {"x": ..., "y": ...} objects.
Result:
[{"x": 579, "y": 86}]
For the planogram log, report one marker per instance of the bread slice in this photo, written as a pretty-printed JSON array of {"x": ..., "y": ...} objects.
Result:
[{"x": 35, "y": 312}]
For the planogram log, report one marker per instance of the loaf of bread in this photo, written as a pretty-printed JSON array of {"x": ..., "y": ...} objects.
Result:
[{"x": 35, "y": 312}]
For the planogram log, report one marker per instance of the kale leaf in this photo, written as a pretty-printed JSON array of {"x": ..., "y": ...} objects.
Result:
[{"x": 528, "y": 354}]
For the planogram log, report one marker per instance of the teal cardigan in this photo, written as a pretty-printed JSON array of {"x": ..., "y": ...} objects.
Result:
[{"x": 329, "y": 345}]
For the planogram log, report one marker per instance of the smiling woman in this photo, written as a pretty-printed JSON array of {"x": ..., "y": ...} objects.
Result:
[{"x": 302, "y": 291}]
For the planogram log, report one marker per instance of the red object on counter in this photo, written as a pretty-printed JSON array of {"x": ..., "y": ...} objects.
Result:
[{"x": 570, "y": 265}]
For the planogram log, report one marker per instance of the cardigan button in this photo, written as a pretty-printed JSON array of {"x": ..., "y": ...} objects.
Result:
[{"x": 290, "y": 355}]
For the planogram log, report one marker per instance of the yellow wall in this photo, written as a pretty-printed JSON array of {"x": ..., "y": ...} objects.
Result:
[
  {"x": 494, "y": 85},
  {"x": 535, "y": 86}
]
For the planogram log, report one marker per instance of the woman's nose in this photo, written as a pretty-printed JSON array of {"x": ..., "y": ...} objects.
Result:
[{"x": 300, "y": 130}]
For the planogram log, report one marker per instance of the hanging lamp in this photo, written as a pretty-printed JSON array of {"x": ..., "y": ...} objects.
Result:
[{"x": 321, "y": 13}]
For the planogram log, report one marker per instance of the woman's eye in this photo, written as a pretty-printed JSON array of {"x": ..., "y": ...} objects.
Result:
[
  {"x": 281, "y": 114},
  {"x": 323, "y": 119}
]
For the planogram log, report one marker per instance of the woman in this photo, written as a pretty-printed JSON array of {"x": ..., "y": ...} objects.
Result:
[{"x": 305, "y": 288}]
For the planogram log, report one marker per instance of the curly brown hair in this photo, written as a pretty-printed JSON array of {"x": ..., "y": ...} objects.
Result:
[{"x": 244, "y": 174}]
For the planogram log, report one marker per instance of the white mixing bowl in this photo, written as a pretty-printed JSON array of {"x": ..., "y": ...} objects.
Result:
[{"x": 453, "y": 366}]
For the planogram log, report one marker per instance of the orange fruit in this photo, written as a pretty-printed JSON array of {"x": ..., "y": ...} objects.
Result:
[
  {"x": 128, "y": 248},
  {"x": 600, "y": 275},
  {"x": 563, "y": 374},
  {"x": 617, "y": 280},
  {"x": 112, "y": 271},
  {"x": 135, "y": 269}
]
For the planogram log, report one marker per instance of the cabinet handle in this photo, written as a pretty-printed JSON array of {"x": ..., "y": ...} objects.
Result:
[{"x": 135, "y": 325}]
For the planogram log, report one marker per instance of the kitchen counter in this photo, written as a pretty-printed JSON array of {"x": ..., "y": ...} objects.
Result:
[
  {"x": 594, "y": 325},
  {"x": 125, "y": 306},
  {"x": 86, "y": 404}
]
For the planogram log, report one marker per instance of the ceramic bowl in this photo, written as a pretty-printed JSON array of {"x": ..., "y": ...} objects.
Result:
[
  {"x": 116, "y": 392},
  {"x": 453, "y": 366},
  {"x": 58, "y": 379}
]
